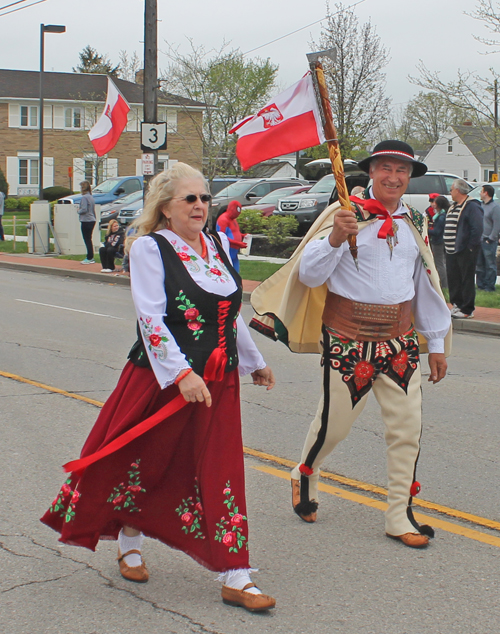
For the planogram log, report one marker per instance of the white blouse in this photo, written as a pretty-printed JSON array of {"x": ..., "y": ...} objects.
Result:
[
  {"x": 381, "y": 279},
  {"x": 148, "y": 292}
]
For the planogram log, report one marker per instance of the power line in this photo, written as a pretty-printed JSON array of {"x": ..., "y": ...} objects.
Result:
[
  {"x": 19, "y": 8},
  {"x": 301, "y": 29}
]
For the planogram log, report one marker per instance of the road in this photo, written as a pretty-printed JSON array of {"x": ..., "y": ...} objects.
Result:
[{"x": 340, "y": 575}]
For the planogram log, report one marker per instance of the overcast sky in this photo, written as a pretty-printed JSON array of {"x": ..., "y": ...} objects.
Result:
[{"x": 435, "y": 31}]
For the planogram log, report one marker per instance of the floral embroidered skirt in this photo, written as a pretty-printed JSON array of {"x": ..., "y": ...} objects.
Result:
[{"x": 181, "y": 482}]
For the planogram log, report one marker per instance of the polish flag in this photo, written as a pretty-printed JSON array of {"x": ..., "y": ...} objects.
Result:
[
  {"x": 106, "y": 132},
  {"x": 288, "y": 123}
]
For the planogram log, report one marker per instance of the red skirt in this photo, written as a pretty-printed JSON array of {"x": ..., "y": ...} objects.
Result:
[{"x": 181, "y": 482}]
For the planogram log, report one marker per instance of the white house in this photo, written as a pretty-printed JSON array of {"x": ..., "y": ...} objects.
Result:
[{"x": 465, "y": 151}]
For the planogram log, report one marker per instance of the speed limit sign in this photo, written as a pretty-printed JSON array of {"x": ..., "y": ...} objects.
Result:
[{"x": 153, "y": 136}]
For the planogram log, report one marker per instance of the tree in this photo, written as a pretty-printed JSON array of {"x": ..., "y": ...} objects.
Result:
[
  {"x": 128, "y": 66},
  {"x": 490, "y": 15},
  {"x": 92, "y": 62},
  {"x": 229, "y": 89},
  {"x": 355, "y": 80},
  {"x": 4, "y": 185}
]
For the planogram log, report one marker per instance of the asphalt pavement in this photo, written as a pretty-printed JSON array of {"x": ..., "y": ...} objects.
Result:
[{"x": 64, "y": 342}]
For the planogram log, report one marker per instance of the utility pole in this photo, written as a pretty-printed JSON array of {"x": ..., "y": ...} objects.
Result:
[
  {"x": 495, "y": 157},
  {"x": 151, "y": 72}
]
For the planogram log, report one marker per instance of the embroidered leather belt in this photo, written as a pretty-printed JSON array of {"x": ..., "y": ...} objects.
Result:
[{"x": 366, "y": 322}]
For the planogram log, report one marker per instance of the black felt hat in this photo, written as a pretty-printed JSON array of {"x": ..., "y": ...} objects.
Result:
[{"x": 395, "y": 149}]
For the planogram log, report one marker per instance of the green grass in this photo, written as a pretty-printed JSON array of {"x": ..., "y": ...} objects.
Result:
[
  {"x": 7, "y": 246},
  {"x": 22, "y": 218},
  {"x": 257, "y": 270},
  {"x": 483, "y": 299}
]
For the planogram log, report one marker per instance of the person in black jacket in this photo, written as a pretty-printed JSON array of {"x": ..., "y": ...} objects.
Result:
[
  {"x": 113, "y": 244},
  {"x": 440, "y": 206},
  {"x": 462, "y": 239}
]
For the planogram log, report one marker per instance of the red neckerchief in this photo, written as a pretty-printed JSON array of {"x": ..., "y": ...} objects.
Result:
[{"x": 375, "y": 207}]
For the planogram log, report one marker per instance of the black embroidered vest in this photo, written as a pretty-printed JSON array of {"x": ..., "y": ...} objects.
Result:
[{"x": 199, "y": 321}]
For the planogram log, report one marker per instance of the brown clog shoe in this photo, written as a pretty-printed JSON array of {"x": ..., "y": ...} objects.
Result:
[
  {"x": 307, "y": 511},
  {"x": 139, "y": 574},
  {"x": 248, "y": 600},
  {"x": 413, "y": 540}
]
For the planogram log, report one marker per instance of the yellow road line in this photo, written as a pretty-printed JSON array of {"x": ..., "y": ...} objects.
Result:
[
  {"x": 49, "y": 388},
  {"x": 284, "y": 462},
  {"x": 449, "y": 527}
]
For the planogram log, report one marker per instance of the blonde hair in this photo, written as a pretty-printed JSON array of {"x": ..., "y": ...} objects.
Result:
[
  {"x": 85, "y": 187},
  {"x": 112, "y": 223},
  {"x": 161, "y": 191}
]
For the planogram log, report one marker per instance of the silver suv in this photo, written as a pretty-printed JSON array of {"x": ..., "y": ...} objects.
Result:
[
  {"x": 417, "y": 194},
  {"x": 245, "y": 191}
]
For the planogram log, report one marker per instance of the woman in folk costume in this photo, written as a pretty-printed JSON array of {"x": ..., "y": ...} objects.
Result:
[
  {"x": 165, "y": 456},
  {"x": 368, "y": 322}
]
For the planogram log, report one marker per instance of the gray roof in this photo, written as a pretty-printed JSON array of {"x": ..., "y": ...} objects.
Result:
[
  {"x": 479, "y": 142},
  {"x": 25, "y": 84}
]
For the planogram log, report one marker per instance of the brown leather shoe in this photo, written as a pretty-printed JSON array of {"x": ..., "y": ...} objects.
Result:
[
  {"x": 306, "y": 511},
  {"x": 139, "y": 574},
  {"x": 413, "y": 540},
  {"x": 247, "y": 600}
]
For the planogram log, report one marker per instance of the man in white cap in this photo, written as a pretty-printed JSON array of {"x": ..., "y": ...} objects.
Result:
[{"x": 370, "y": 342}]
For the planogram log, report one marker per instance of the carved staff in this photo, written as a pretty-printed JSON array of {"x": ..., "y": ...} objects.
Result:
[{"x": 331, "y": 136}]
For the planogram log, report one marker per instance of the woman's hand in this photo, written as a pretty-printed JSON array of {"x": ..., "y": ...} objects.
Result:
[
  {"x": 264, "y": 377},
  {"x": 193, "y": 388}
]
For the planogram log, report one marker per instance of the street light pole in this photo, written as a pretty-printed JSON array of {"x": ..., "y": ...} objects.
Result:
[{"x": 44, "y": 28}]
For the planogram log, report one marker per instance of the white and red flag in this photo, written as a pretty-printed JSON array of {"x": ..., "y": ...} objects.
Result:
[
  {"x": 105, "y": 133},
  {"x": 289, "y": 123}
]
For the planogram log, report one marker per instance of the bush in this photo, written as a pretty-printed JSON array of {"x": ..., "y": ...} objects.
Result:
[
  {"x": 280, "y": 228},
  {"x": 56, "y": 192},
  {"x": 252, "y": 221},
  {"x": 19, "y": 204}
]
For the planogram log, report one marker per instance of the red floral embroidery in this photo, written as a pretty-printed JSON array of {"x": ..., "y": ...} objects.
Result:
[
  {"x": 183, "y": 256},
  {"x": 191, "y": 313},
  {"x": 190, "y": 512},
  {"x": 229, "y": 530},
  {"x": 154, "y": 340},
  {"x": 194, "y": 320},
  {"x": 400, "y": 362},
  {"x": 123, "y": 497},
  {"x": 363, "y": 372},
  {"x": 64, "y": 503},
  {"x": 194, "y": 325},
  {"x": 215, "y": 272}
]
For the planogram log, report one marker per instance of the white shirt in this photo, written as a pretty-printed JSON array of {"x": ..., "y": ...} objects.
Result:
[
  {"x": 148, "y": 292},
  {"x": 381, "y": 279}
]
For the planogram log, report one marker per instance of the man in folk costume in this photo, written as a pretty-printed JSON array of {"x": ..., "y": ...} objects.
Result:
[{"x": 369, "y": 340}]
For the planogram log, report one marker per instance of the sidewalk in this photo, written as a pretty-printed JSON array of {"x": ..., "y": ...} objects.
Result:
[{"x": 486, "y": 320}]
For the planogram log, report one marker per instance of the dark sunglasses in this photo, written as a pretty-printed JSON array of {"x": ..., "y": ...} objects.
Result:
[{"x": 192, "y": 198}]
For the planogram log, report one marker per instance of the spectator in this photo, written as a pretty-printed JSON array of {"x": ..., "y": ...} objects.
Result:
[
  {"x": 430, "y": 209},
  {"x": 86, "y": 212},
  {"x": 2, "y": 199},
  {"x": 113, "y": 244},
  {"x": 486, "y": 270},
  {"x": 227, "y": 223},
  {"x": 462, "y": 239},
  {"x": 440, "y": 206}
]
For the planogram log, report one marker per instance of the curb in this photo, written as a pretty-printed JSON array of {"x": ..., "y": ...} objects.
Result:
[{"x": 459, "y": 325}]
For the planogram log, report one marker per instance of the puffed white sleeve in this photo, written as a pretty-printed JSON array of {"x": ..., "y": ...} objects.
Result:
[
  {"x": 431, "y": 314},
  {"x": 150, "y": 301},
  {"x": 318, "y": 262}
]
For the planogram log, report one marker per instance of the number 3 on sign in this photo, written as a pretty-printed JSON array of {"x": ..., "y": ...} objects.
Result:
[{"x": 154, "y": 136}]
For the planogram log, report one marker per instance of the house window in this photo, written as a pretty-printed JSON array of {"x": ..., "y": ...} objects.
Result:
[
  {"x": 450, "y": 146},
  {"x": 486, "y": 176},
  {"x": 466, "y": 174},
  {"x": 28, "y": 171},
  {"x": 170, "y": 116},
  {"x": 29, "y": 116},
  {"x": 73, "y": 118}
]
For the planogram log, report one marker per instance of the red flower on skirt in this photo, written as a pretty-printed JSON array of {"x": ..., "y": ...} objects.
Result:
[
  {"x": 154, "y": 340},
  {"x": 135, "y": 488},
  {"x": 198, "y": 507},
  {"x": 187, "y": 518},
  {"x": 237, "y": 519},
  {"x": 118, "y": 500},
  {"x": 66, "y": 489},
  {"x": 229, "y": 538}
]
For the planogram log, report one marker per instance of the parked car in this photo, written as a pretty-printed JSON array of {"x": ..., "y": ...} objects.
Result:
[
  {"x": 219, "y": 183},
  {"x": 128, "y": 213},
  {"x": 268, "y": 203},
  {"x": 474, "y": 193},
  {"x": 245, "y": 191},
  {"x": 306, "y": 207},
  {"x": 111, "y": 210},
  {"x": 417, "y": 194},
  {"x": 109, "y": 190}
]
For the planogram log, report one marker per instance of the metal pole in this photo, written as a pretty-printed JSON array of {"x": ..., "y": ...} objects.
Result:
[
  {"x": 150, "y": 72},
  {"x": 40, "y": 119},
  {"x": 495, "y": 159}
]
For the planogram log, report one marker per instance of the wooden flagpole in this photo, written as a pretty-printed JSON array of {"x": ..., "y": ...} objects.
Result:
[{"x": 332, "y": 141}]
